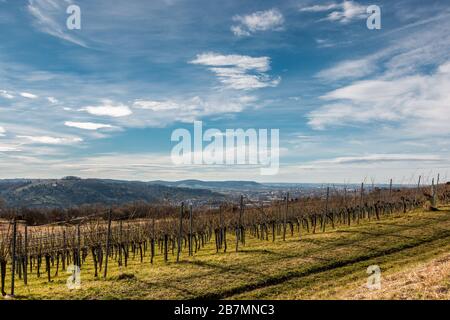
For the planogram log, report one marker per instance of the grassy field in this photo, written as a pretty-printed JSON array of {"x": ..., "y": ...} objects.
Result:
[{"x": 411, "y": 249}]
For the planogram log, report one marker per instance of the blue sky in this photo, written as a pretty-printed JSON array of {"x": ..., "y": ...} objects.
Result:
[{"x": 351, "y": 103}]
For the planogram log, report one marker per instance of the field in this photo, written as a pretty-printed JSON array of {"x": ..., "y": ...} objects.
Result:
[{"x": 412, "y": 250}]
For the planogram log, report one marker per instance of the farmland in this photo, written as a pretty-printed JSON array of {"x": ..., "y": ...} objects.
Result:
[
  {"x": 319, "y": 266},
  {"x": 295, "y": 249}
]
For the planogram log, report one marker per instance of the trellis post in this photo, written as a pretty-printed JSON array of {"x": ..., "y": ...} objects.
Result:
[
  {"x": 79, "y": 246},
  {"x": 25, "y": 269},
  {"x": 13, "y": 255},
  {"x": 285, "y": 216},
  {"x": 390, "y": 190},
  {"x": 190, "y": 229},
  {"x": 324, "y": 218},
  {"x": 108, "y": 240},
  {"x": 180, "y": 231}
]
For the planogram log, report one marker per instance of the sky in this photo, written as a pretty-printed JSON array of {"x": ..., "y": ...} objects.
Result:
[{"x": 351, "y": 104}]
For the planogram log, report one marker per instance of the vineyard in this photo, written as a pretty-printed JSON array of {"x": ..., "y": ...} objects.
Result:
[{"x": 146, "y": 233}]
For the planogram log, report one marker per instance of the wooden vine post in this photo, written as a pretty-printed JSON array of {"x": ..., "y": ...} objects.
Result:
[
  {"x": 190, "y": 229},
  {"x": 324, "y": 216},
  {"x": 285, "y": 216},
  {"x": 436, "y": 191},
  {"x": 433, "y": 194},
  {"x": 239, "y": 225},
  {"x": 418, "y": 187},
  {"x": 221, "y": 232},
  {"x": 152, "y": 241},
  {"x": 361, "y": 200},
  {"x": 120, "y": 243},
  {"x": 13, "y": 255},
  {"x": 180, "y": 232},
  {"x": 108, "y": 243},
  {"x": 390, "y": 190},
  {"x": 25, "y": 266},
  {"x": 79, "y": 246}
]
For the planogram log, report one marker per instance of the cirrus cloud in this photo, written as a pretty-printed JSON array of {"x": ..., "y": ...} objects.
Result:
[
  {"x": 28, "y": 95},
  {"x": 87, "y": 125},
  {"x": 258, "y": 21},
  {"x": 238, "y": 72},
  {"x": 108, "y": 108},
  {"x": 419, "y": 104},
  {"x": 51, "y": 140},
  {"x": 344, "y": 12}
]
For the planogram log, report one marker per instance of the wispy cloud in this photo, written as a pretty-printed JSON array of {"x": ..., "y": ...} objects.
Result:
[
  {"x": 51, "y": 140},
  {"x": 161, "y": 112},
  {"x": 258, "y": 21},
  {"x": 108, "y": 108},
  {"x": 52, "y": 100},
  {"x": 343, "y": 12},
  {"x": 9, "y": 148},
  {"x": 28, "y": 95},
  {"x": 419, "y": 103},
  {"x": 237, "y": 71},
  {"x": 374, "y": 158},
  {"x": 324, "y": 43},
  {"x": 87, "y": 125},
  {"x": 349, "y": 69},
  {"x": 319, "y": 7},
  {"x": 5, "y": 94},
  {"x": 403, "y": 54},
  {"x": 47, "y": 18}
]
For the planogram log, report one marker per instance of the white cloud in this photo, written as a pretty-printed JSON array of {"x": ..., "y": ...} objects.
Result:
[
  {"x": 237, "y": 71},
  {"x": 350, "y": 10},
  {"x": 157, "y": 105},
  {"x": 373, "y": 158},
  {"x": 260, "y": 64},
  {"x": 109, "y": 109},
  {"x": 408, "y": 52},
  {"x": 8, "y": 148},
  {"x": 51, "y": 140},
  {"x": 344, "y": 12},
  {"x": 2, "y": 131},
  {"x": 154, "y": 112},
  {"x": 258, "y": 21},
  {"x": 5, "y": 94},
  {"x": 87, "y": 125},
  {"x": 324, "y": 43},
  {"x": 319, "y": 8},
  {"x": 348, "y": 69},
  {"x": 28, "y": 95},
  {"x": 49, "y": 18},
  {"x": 52, "y": 100},
  {"x": 418, "y": 104}
]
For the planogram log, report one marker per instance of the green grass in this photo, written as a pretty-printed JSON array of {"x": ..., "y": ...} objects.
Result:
[{"x": 317, "y": 266}]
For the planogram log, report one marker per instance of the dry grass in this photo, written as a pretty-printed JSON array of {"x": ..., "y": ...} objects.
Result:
[{"x": 430, "y": 280}]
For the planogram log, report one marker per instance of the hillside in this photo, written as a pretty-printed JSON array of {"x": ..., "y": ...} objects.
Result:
[
  {"x": 411, "y": 249},
  {"x": 71, "y": 191}
]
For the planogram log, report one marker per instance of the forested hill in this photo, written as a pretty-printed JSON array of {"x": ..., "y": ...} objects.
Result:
[{"x": 72, "y": 191}]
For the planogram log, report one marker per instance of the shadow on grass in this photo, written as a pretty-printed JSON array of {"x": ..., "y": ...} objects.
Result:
[{"x": 280, "y": 278}]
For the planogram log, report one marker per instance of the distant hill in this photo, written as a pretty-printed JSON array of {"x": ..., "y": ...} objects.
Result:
[
  {"x": 73, "y": 191},
  {"x": 211, "y": 185}
]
